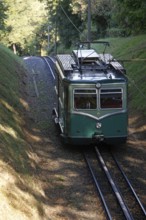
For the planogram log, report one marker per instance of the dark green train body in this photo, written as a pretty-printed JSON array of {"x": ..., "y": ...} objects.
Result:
[{"x": 92, "y": 98}]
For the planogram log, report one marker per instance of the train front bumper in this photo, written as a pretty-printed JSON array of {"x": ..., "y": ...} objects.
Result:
[{"x": 94, "y": 140}]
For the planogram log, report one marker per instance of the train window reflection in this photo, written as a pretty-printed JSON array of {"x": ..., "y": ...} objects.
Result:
[
  {"x": 85, "y": 99},
  {"x": 111, "y": 98}
]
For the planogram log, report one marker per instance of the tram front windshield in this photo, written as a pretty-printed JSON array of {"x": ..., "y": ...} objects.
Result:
[
  {"x": 85, "y": 99},
  {"x": 105, "y": 98}
]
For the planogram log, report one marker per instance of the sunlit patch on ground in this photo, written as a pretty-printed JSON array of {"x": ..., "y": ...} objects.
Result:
[
  {"x": 8, "y": 130},
  {"x": 19, "y": 200},
  {"x": 24, "y": 104}
]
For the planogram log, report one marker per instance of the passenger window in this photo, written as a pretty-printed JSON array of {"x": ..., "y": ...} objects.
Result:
[
  {"x": 85, "y": 99},
  {"x": 111, "y": 98}
]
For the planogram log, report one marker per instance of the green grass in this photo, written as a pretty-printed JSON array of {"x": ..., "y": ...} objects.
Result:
[
  {"x": 12, "y": 141},
  {"x": 20, "y": 193},
  {"x": 134, "y": 49}
]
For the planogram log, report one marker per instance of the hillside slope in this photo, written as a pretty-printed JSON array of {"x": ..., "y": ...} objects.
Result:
[
  {"x": 11, "y": 111},
  {"x": 133, "y": 51},
  {"x": 15, "y": 152}
]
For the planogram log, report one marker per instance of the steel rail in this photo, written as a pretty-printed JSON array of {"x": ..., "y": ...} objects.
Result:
[
  {"x": 131, "y": 187},
  {"x": 98, "y": 188},
  {"x": 124, "y": 208},
  {"x": 49, "y": 67}
]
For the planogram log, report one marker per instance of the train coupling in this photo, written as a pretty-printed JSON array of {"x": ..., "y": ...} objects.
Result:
[{"x": 98, "y": 137}]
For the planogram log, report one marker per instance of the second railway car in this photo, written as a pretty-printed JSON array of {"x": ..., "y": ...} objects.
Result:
[{"x": 92, "y": 98}]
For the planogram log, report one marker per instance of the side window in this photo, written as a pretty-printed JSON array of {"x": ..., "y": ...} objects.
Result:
[
  {"x": 110, "y": 98},
  {"x": 85, "y": 99}
]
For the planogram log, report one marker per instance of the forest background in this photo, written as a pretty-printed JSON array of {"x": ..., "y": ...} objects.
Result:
[{"x": 37, "y": 27}]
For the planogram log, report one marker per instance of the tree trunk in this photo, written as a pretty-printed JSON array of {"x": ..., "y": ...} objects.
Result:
[{"x": 14, "y": 49}]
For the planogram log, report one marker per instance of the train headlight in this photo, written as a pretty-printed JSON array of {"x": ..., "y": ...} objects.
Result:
[
  {"x": 98, "y": 85},
  {"x": 98, "y": 125}
]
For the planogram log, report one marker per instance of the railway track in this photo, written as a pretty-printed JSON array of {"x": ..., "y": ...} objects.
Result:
[
  {"x": 117, "y": 194},
  {"x": 119, "y": 199}
]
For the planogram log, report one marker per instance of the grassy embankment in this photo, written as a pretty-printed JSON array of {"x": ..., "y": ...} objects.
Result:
[
  {"x": 17, "y": 184},
  {"x": 19, "y": 191},
  {"x": 134, "y": 49},
  {"x": 12, "y": 139}
]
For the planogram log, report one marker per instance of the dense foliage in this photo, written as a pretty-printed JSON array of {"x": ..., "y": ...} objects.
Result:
[
  {"x": 2, "y": 15},
  {"x": 31, "y": 26},
  {"x": 2, "y": 18},
  {"x": 109, "y": 18},
  {"x": 130, "y": 16},
  {"x": 23, "y": 21}
]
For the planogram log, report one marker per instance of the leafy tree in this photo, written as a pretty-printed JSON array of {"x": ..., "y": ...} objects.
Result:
[
  {"x": 131, "y": 16},
  {"x": 23, "y": 20},
  {"x": 71, "y": 22},
  {"x": 101, "y": 16},
  {"x": 3, "y": 9},
  {"x": 27, "y": 26},
  {"x": 63, "y": 22}
]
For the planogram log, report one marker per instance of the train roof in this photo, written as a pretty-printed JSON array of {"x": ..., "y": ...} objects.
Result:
[
  {"x": 86, "y": 55},
  {"x": 89, "y": 65}
]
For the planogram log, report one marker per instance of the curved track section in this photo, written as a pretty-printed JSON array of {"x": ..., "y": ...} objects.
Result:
[{"x": 50, "y": 63}]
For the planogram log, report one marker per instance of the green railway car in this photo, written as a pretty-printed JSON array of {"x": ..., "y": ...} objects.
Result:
[{"x": 91, "y": 90}]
